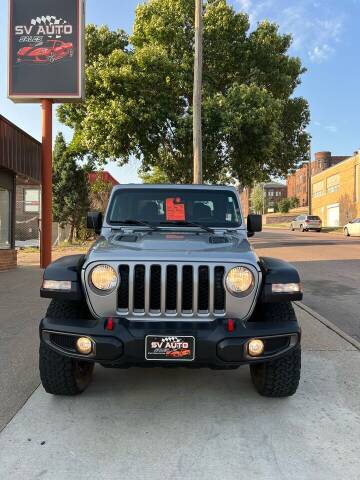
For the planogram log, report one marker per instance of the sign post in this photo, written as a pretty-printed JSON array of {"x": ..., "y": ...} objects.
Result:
[
  {"x": 46, "y": 180},
  {"x": 45, "y": 65}
]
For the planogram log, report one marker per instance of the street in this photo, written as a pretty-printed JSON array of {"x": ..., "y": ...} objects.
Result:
[{"x": 329, "y": 266}]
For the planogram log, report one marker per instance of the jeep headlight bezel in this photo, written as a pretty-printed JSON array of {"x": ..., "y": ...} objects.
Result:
[
  {"x": 239, "y": 281},
  {"x": 103, "y": 278}
]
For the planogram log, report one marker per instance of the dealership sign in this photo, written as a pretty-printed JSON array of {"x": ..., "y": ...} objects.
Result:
[{"x": 46, "y": 50}]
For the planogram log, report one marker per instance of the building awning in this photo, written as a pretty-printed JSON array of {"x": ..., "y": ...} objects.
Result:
[{"x": 19, "y": 152}]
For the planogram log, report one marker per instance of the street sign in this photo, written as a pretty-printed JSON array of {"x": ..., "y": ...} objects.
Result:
[{"x": 46, "y": 50}]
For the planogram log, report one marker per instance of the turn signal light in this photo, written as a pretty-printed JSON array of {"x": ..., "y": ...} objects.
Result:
[
  {"x": 255, "y": 347},
  {"x": 84, "y": 345}
]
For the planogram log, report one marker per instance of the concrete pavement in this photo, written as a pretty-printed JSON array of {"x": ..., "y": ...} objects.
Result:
[
  {"x": 20, "y": 311},
  {"x": 175, "y": 424},
  {"x": 329, "y": 266}
]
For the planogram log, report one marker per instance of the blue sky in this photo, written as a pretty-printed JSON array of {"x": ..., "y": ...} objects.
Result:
[{"x": 325, "y": 38}]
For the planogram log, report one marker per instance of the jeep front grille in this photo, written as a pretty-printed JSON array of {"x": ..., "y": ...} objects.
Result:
[{"x": 171, "y": 290}]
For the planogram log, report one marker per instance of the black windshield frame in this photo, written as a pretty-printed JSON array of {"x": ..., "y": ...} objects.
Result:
[{"x": 220, "y": 199}]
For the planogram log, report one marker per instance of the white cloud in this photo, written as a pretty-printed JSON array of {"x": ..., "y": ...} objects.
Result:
[
  {"x": 321, "y": 53},
  {"x": 255, "y": 9},
  {"x": 328, "y": 128},
  {"x": 316, "y": 29},
  {"x": 331, "y": 128}
]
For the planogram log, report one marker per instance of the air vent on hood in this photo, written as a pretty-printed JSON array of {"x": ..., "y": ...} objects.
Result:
[
  {"x": 218, "y": 239},
  {"x": 126, "y": 238}
]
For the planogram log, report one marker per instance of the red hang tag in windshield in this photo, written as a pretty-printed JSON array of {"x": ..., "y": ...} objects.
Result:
[{"x": 175, "y": 210}]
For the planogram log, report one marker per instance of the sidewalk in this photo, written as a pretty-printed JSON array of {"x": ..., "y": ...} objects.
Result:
[{"x": 188, "y": 424}]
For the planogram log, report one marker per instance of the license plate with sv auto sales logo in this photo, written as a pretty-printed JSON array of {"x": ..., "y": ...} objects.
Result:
[{"x": 169, "y": 348}]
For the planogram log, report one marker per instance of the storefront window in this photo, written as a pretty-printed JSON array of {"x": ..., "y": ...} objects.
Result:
[{"x": 4, "y": 218}]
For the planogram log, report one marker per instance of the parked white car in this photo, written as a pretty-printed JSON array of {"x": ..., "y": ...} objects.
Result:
[{"x": 352, "y": 228}]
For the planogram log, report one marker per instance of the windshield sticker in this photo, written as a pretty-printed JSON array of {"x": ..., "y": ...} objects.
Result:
[{"x": 175, "y": 209}]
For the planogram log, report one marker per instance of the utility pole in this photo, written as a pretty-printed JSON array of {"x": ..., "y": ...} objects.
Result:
[{"x": 198, "y": 67}]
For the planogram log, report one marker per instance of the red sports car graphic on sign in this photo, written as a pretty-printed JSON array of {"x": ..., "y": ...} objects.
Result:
[
  {"x": 47, "y": 52},
  {"x": 178, "y": 353}
]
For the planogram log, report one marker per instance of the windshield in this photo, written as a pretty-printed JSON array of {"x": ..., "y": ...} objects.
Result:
[
  {"x": 313, "y": 217},
  {"x": 216, "y": 208}
]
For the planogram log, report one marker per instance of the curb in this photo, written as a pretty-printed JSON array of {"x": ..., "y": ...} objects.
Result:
[{"x": 329, "y": 325}]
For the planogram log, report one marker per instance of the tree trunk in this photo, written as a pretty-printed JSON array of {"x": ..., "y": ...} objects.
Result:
[{"x": 71, "y": 234}]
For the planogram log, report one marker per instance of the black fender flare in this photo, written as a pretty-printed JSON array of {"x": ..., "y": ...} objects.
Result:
[
  {"x": 69, "y": 269},
  {"x": 276, "y": 271}
]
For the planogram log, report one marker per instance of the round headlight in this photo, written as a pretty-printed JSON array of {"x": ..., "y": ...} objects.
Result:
[
  {"x": 104, "y": 278},
  {"x": 239, "y": 281}
]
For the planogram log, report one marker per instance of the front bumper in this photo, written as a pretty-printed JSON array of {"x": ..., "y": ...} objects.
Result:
[{"x": 124, "y": 345}]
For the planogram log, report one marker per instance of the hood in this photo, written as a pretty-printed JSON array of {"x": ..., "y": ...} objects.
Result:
[{"x": 179, "y": 246}]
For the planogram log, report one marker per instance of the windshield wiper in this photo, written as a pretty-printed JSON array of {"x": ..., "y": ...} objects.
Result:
[
  {"x": 130, "y": 221},
  {"x": 188, "y": 224}
]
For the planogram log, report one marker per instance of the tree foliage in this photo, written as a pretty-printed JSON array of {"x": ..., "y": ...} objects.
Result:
[
  {"x": 139, "y": 95},
  {"x": 257, "y": 199},
  {"x": 294, "y": 202},
  {"x": 284, "y": 205},
  {"x": 154, "y": 176},
  {"x": 70, "y": 187},
  {"x": 99, "y": 192}
]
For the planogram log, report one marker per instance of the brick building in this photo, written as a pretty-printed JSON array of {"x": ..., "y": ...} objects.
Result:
[
  {"x": 336, "y": 192},
  {"x": 273, "y": 192},
  {"x": 20, "y": 160},
  {"x": 298, "y": 182}
]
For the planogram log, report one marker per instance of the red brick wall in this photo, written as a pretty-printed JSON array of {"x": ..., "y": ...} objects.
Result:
[
  {"x": 298, "y": 185},
  {"x": 8, "y": 259}
]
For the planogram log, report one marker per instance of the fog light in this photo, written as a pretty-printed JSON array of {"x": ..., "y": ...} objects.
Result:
[
  {"x": 255, "y": 347},
  {"x": 84, "y": 345}
]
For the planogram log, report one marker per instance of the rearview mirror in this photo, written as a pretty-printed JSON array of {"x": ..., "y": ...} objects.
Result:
[
  {"x": 94, "y": 221},
  {"x": 254, "y": 224}
]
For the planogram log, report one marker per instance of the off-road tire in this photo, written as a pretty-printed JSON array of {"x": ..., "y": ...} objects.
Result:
[
  {"x": 61, "y": 375},
  {"x": 280, "y": 377}
]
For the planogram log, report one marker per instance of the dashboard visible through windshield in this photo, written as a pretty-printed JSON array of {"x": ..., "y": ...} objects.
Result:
[{"x": 161, "y": 207}]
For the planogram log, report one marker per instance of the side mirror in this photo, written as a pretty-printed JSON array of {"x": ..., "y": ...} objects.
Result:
[
  {"x": 94, "y": 221},
  {"x": 254, "y": 224}
]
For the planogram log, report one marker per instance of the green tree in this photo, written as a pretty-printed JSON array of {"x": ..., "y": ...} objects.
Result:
[
  {"x": 284, "y": 205},
  {"x": 294, "y": 202},
  {"x": 155, "y": 175},
  {"x": 100, "y": 191},
  {"x": 257, "y": 199},
  {"x": 139, "y": 99},
  {"x": 70, "y": 188}
]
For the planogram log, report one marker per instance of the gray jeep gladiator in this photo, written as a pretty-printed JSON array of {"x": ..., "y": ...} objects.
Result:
[{"x": 171, "y": 281}]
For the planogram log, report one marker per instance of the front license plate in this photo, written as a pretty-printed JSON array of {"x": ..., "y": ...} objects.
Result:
[{"x": 169, "y": 348}]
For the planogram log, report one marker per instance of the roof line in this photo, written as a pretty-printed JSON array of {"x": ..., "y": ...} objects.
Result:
[{"x": 11, "y": 124}]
